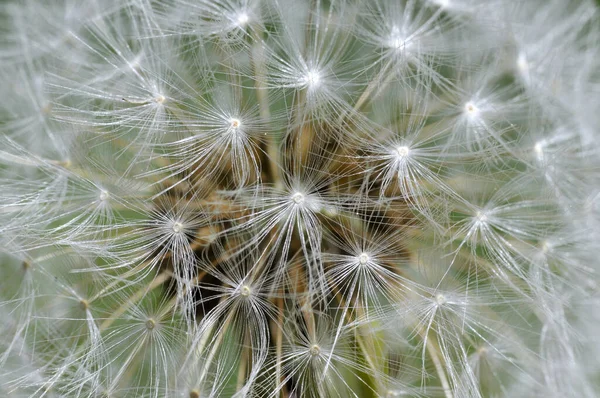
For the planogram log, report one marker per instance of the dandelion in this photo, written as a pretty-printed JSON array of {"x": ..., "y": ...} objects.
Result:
[{"x": 281, "y": 198}]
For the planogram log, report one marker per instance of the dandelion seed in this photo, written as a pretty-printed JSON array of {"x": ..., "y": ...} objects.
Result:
[
  {"x": 235, "y": 123},
  {"x": 481, "y": 217},
  {"x": 104, "y": 195},
  {"x": 245, "y": 291},
  {"x": 312, "y": 79},
  {"x": 150, "y": 324},
  {"x": 396, "y": 40},
  {"x": 363, "y": 258},
  {"x": 403, "y": 151},
  {"x": 315, "y": 350},
  {"x": 440, "y": 299},
  {"x": 471, "y": 110},
  {"x": 242, "y": 19},
  {"x": 298, "y": 198},
  {"x": 177, "y": 227},
  {"x": 84, "y": 305}
]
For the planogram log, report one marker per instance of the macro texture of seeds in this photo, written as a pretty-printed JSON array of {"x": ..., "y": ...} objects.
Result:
[{"x": 299, "y": 198}]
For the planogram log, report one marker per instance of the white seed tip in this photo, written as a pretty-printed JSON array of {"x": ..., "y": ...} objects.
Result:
[
  {"x": 298, "y": 198},
  {"x": 363, "y": 258},
  {"x": 397, "y": 43},
  {"x": 235, "y": 123},
  {"x": 440, "y": 299},
  {"x": 481, "y": 216},
  {"x": 402, "y": 151},
  {"x": 159, "y": 99},
  {"x": 104, "y": 195},
  {"x": 522, "y": 63},
  {"x": 471, "y": 109},
  {"x": 245, "y": 291},
  {"x": 538, "y": 148},
  {"x": 314, "y": 350},
  {"x": 242, "y": 19},
  {"x": 396, "y": 40},
  {"x": 150, "y": 324},
  {"x": 46, "y": 109},
  {"x": 177, "y": 227},
  {"x": 311, "y": 79},
  {"x": 546, "y": 247}
]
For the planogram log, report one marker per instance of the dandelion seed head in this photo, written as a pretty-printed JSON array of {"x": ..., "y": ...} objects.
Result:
[{"x": 291, "y": 184}]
